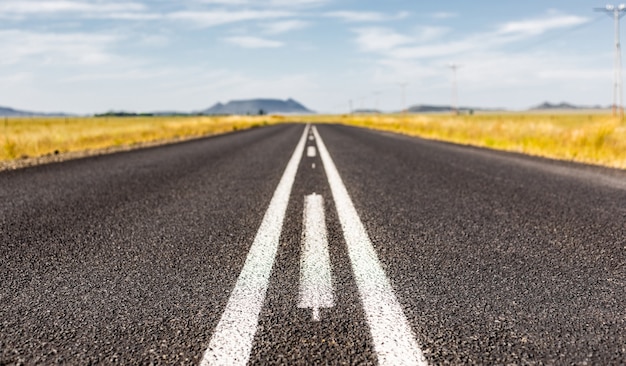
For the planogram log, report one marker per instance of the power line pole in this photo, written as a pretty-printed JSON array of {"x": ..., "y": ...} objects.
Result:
[
  {"x": 455, "y": 93},
  {"x": 403, "y": 86},
  {"x": 617, "y": 12},
  {"x": 376, "y": 95},
  {"x": 362, "y": 100}
]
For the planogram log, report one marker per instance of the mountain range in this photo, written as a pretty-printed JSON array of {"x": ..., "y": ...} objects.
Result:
[
  {"x": 235, "y": 107},
  {"x": 289, "y": 106},
  {"x": 563, "y": 106},
  {"x": 426, "y": 108},
  {"x": 545, "y": 106},
  {"x": 258, "y": 106},
  {"x": 10, "y": 112}
]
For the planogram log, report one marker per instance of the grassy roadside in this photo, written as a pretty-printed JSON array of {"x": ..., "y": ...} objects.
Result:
[
  {"x": 22, "y": 138},
  {"x": 589, "y": 138},
  {"x": 592, "y": 138}
]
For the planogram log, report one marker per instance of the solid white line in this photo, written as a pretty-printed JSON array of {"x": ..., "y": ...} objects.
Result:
[
  {"x": 316, "y": 288},
  {"x": 232, "y": 339},
  {"x": 394, "y": 341},
  {"x": 310, "y": 151}
]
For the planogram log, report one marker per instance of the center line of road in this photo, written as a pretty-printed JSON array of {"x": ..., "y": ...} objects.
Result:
[
  {"x": 394, "y": 341},
  {"x": 310, "y": 151},
  {"x": 316, "y": 288},
  {"x": 233, "y": 337}
]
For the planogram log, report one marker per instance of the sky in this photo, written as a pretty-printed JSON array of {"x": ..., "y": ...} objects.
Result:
[{"x": 92, "y": 56}]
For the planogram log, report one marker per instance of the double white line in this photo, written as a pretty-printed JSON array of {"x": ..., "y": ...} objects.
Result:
[{"x": 232, "y": 340}]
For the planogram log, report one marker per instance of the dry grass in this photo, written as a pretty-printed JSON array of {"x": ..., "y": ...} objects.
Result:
[
  {"x": 589, "y": 138},
  {"x": 32, "y": 137}
]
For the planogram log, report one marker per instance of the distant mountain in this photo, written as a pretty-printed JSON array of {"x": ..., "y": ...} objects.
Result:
[
  {"x": 10, "y": 112},
  {"x": 425, "y": 108},
  {"x": 258, "y": 106},
  {"x": 428, "y": 108},
  {"x": 366, "y": 111},
  {"x": 562, "y": 106},
  {"x": 141, "y": 114}
]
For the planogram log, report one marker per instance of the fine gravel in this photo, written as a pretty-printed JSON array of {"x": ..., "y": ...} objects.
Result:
[{"x": 130, "y": 258}]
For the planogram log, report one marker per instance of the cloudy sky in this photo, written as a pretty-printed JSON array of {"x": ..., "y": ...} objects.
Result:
[{"x": 88, "y": 56}]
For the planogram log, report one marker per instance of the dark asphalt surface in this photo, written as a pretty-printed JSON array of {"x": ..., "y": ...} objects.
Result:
[{"x": 130, "y": 258}]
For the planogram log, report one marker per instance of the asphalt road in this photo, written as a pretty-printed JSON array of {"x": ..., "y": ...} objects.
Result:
[{"x": 148, "y": 256}]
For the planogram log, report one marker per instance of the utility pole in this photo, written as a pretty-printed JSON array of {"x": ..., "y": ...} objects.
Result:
[
  {"x": 403, "y": 86},
  {"x": 376, "y": 95},
  {"x": 455, "y": 93},
  {"x": 350, "y": 106},
  {"x": 617, "y": 12}
]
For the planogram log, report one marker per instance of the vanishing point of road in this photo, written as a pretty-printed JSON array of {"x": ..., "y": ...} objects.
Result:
[{"x": 325, "y": 244}]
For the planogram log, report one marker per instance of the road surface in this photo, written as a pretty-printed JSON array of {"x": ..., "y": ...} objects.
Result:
[{"x": 327, "y": 245}]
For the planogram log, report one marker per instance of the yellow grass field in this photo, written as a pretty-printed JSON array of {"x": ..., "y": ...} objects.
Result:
[
  {"x": 590, "y": 138},
  {"x": 33, "y": 137}
]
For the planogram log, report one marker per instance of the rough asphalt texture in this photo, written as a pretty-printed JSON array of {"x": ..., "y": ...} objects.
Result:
[{"x": 130, "y": 258}]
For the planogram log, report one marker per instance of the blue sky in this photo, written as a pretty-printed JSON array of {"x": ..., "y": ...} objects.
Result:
[{"x": 83, "y": 56}]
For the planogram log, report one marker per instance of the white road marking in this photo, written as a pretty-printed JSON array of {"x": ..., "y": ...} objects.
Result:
[
  {"x": 313, "y": 165},
  {"x": 316, "y": 288},
  {"x": 310, "y": 151},
  {"x": 311, "y": 137},
  {"x": 232, "y": 339},
  {"x": 394, "y": 341},
  {"x": 316, "y": 314}
]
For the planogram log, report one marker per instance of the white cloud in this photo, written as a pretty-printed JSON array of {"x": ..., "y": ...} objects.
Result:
[
  {"x": 63, "y": 6},
  {"x": 125, "y": 74},
  {"x": 557, "y": 73},
  {"x": 26, "y": 9},
  {"x": 220, "y": 17},
  {"x": 420, "y": 57},
  {"x": 225, "y": 2},
  {"x": 200, "y": 88},
  {"x": 429, "y": 33},
  {"x": 376, "y": 39},
  {"x": 495, "y": 79},
  {"x": 16, "y": 78},
  {"x": 444, "y": 15},
  {"x": 124, "y": 16},
  {"x": 279, "y": 27},
  {"x": 391, "y": 44},
  {"x": 542, "y": 25},
  {"x": 298, "y": 2},
  {"x": 364, "y": 16},
  {"x": 267, "y": 3},
  {"x": 438, "y": 49},
  {"x": 154, "y": 40},
  {"x": 253, "y": 42},
  {"x": 63, "y": 48},
  {"x": 278, "y": 87},
  {"x": 393, "y": 70}
]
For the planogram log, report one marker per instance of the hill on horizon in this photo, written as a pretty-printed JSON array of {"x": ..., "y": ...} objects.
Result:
[
  {"x": 10, "y": 112},
  {"x": 563, "y": 106},
  {"x": 427, "y": 108},
  {"x": 257, "y": 106},
  {"x": 289, "y": 106}
]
